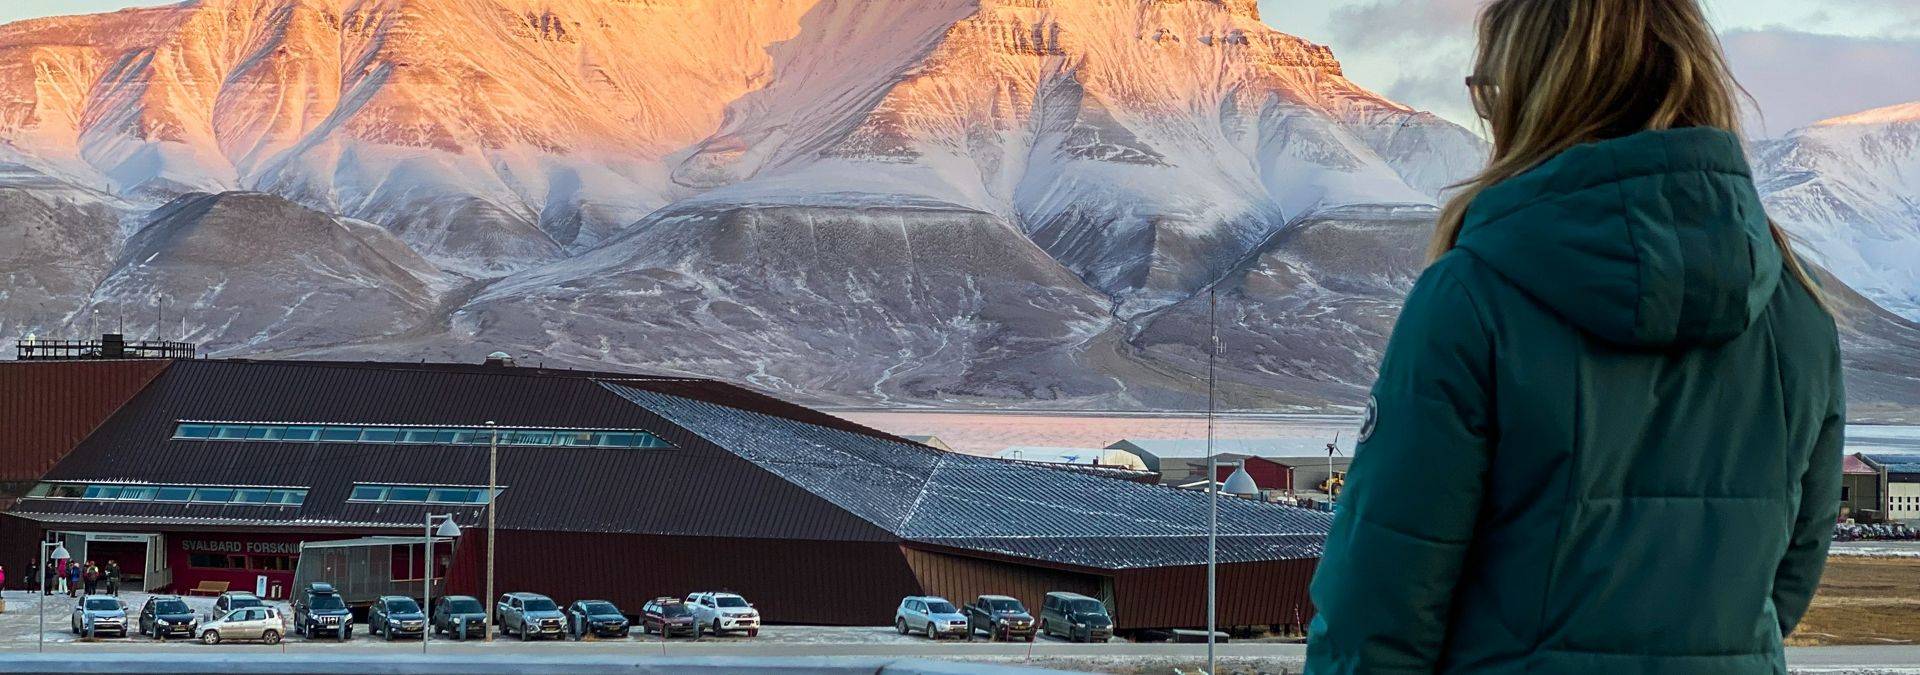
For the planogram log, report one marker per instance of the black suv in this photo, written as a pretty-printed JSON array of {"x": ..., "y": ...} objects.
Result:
[
  {"x": 166, "y": 616},
  {"x": 396, "y": 616},
  {"x": 1002, "y": 617},
  {"x": 459, "y": 616},
  {"x": 1078, "y": 617},
  {"x": 598, "y": 618},
  {"x": 319, "y": 610}
]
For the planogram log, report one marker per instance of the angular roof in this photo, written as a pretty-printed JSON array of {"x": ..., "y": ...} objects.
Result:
[
  {"x": 1197, "y": 447},
  {"x": 789, "y": 472},
  {"x": 1854, "y": 465},
  {"x": 984, "y": 504}
]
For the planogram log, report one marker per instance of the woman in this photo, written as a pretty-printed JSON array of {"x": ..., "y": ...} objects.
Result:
[{"x": 1606, "y": 434}]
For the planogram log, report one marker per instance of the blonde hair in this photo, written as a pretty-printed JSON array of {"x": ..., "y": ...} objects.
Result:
[{"x": 1568, "y": 72}]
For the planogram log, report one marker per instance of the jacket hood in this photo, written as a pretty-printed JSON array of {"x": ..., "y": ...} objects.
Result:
[{"x": 1656, "y": 239}]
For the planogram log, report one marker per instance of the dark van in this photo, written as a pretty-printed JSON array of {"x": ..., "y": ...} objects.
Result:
[{"x": 1075, "y": 617}]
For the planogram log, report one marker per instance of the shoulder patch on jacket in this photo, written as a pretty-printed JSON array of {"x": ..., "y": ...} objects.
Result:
[{"x": 1373, "y": 416}]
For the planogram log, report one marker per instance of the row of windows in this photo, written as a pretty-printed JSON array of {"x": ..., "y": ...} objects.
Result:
[
  {"x": 198, "y": 494},
  {"x": 419, "y": 494},
  {"x": 224, "y": 561},
  {"x": 480, "y": 436}
]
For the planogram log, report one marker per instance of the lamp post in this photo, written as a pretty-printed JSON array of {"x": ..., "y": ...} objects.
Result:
[
  {"x": 59, "y": 554},
  {"x": 1213, "y": 486},
  {"x": 493, "y": 492},
  {"x": 449, "y": 531}
]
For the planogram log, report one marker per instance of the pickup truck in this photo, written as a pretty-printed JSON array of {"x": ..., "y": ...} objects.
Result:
[{"x": 1002, "y": 617}]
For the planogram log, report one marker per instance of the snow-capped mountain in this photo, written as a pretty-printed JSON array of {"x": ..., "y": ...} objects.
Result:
[
  {"x": 1849, "y": 188},
  {"x": 977, "y": 201}
]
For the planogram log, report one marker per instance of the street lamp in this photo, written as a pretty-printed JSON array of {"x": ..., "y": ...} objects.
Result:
[
  {"x": 59, "y": 554},
  {"x": 449, "y": 531},
  {"x": 493, "y": 494}
]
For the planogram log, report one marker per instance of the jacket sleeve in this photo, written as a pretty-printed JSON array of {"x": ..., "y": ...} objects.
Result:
[
  {"x": 1409, "y": 508},
  {"x": 1799, "y": 572}
]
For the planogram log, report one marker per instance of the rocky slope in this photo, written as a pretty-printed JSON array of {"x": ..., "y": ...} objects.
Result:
[{"x": 855, "y": 201}]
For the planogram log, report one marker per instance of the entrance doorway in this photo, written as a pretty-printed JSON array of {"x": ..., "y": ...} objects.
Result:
[{"x": 142, "y": 557}]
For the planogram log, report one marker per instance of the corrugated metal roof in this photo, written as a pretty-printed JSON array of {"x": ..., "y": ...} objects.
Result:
[
  {"x": 691, "y": 489},
  {"x": 1901, "y": 464},
  {"x": 923, "y": 494},
  {"x": 64, "y": 401}
]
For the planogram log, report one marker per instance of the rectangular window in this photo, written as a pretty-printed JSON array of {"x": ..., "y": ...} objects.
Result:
[
  {"x": 140, "y": 493},
  {"x": 616, "y": 440},
  {"x": 194, "y": 431},
  {"x": 234, "y": 432},
  {"x": 290, "y": 497},
  {"x": 102, "y": 492},
  {"x": 340, "y": 434},
  {"x": 368, "y": 493},
  {"x": 41, "y": 490},
  {"x": 213, "y": 495},
  {"x": 257, "y": 433},
  {"x": 172, "y": 494},
  {"x": 407, "y": 494},
  {"x": 421, "y": 436},
  {"x": 255, "y": 496},
  {"x": 477, "y": 496},
  {"x": 68, "y": 491},
  {"x": 379, "y": 435},
  {"x": 300, "y": 434}
]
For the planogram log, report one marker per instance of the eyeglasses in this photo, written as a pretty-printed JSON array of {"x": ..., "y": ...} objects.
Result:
[{"x": 1482, "y": 90}]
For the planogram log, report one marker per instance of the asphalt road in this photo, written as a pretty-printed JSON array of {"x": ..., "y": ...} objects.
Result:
[{"x": 569, "y": 655}]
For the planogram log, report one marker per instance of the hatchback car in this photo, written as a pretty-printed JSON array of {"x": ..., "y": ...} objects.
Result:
[
  {"x": 668, "y": 617},
  {"x": 459, "y": 616},
  {"x": 246, "y": 623},
  {"x": 597, "y": 618},
  {"x": 931, "y": 614},
  {"x": 530, "y": 616},
  {"x": 396, "y": 616},
  {"x": 97, "y": 615},
  {"x": 165, "y": 616}
]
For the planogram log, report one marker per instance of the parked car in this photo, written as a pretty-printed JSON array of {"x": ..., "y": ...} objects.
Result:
[
  {"x": 1076, "y": 617},
  {"x": 668, "y": 617},
  {"x": 1002, "y": 617},
  {"x": 396, "y": 616},
  {"x": 245, "y": 623},
  {"x": 459, "y": 616},
  {"x": 598, "y": 618},
  {"x": 100, "y": 615},
  {"x": 719, "y": 613},
  {"x": 930, "y": 614},
  {"x": 530, "y": 615},
  {"x": 232, "y": 600},
  {"x": 319, "y": 610},
  {"x": 165, "y": 616}
]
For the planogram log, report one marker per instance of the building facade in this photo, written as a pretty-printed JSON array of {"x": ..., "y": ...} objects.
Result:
[{"x": 202, "y": 473}]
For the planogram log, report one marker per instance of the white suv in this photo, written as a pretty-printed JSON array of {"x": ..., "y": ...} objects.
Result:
[{"x": 718, "y": 613}]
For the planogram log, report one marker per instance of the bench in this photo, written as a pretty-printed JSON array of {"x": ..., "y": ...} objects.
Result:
[{"x": 210, "y": 588}]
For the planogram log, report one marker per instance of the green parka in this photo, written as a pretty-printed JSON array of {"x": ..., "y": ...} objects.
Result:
[{"x": 1606, "y": 436}]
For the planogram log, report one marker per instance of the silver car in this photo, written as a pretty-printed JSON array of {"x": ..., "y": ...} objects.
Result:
[
  {"x": 246, "y": 623},
  {"x": 933, "y": 615},
  {"x": 100, "y": 615}
]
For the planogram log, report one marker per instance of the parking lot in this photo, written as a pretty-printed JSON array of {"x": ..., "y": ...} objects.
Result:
[{"x": 20, "y": 628}]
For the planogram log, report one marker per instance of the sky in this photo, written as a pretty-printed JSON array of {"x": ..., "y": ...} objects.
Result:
[{"x": 1803, "y": 60}]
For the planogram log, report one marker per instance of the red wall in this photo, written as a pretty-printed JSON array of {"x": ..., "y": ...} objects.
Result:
[
  {"x": 66, "y": 400},
  {"x": 182, "y": 545},
  {"x": 1267, "y": 474}
]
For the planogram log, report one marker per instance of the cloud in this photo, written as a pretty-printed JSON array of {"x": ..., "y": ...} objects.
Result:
[
  {"x": 1406, "y": 23},
  {"x": 1798, "y": 77}
]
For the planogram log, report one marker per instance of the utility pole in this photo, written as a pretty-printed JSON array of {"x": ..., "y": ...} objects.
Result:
[
  {"x": 1213, "y": 484},
  {"x": 493, "y": 494}
]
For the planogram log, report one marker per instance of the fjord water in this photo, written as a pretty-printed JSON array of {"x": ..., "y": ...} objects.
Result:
[{"x": 1299, "y": 434}]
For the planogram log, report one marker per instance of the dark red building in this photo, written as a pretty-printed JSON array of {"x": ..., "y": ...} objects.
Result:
[{"x": 612, "y": 485}]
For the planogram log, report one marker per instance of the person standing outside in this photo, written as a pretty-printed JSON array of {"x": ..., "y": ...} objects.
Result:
[
  {"x": 113, "y": 578},
  {"x": 71, "y": 583},
  {"x": 92, "y": 575},
  {"x": 1606, "y": 434}
]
